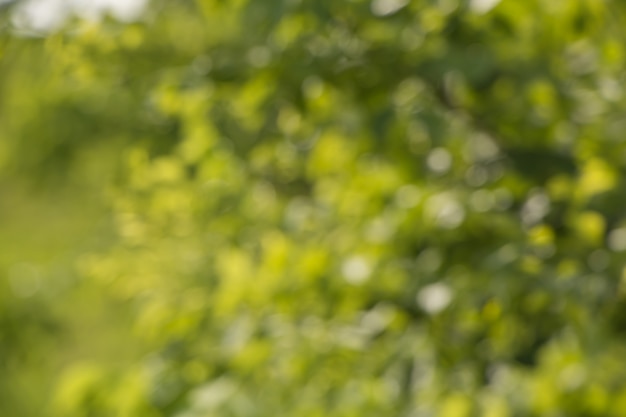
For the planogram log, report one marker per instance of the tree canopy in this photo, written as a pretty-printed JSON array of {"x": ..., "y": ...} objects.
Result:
[{"x": 315, "y": 208}]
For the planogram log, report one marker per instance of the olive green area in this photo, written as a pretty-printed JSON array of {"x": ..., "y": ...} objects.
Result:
[{"x": 315, "y": 208}]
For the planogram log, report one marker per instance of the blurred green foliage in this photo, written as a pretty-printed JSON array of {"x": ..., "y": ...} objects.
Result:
[{"x": 315, "y": 208}]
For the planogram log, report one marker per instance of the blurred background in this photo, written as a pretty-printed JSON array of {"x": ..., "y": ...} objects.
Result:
[{"x": 312, "y": 208}]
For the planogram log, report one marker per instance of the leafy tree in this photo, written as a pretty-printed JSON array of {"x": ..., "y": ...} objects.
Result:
[{"x": 319, "y": 208}]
